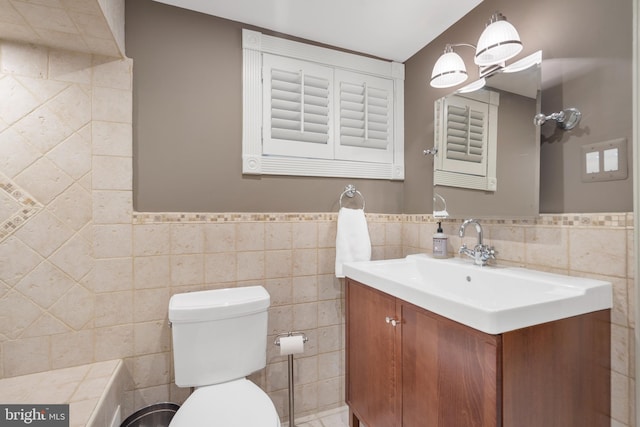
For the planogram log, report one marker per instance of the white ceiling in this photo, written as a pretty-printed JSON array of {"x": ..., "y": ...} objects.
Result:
[{"x": 389, "y": 29}]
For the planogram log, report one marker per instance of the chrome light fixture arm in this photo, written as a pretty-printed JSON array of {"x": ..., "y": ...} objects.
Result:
[{"x": 566, "y": 119}]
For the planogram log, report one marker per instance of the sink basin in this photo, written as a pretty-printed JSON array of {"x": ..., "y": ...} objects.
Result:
[{"x": 491, "y": 299}]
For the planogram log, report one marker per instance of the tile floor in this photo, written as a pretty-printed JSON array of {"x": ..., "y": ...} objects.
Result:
[{"x": 338, "y": 417}]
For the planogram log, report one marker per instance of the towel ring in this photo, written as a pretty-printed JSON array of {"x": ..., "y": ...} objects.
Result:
[{"x": 350, "y": 191}]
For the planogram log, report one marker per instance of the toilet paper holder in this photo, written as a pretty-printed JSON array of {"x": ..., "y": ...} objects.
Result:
[
  {"x": 290, "y": 334},
  {"x": 290, "y": 365}
]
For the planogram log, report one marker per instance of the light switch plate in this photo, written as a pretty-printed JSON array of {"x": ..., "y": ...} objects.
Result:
[{"x": 604, "y": 161}]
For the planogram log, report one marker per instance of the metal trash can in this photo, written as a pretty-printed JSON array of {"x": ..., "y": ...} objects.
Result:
[{"x": 156, "y": 415}]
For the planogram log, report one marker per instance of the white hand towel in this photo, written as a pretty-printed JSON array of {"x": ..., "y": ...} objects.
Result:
[{"x": 352, "y": 238}]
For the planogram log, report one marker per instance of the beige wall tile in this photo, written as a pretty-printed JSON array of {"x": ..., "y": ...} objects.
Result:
[
  {"x": 112, "y": 241},
  {"x": 151, "y": 239},
  {"x": 23, "y": 59},
  {"x": 187, "y": 239},
  {"x": 44, "y": 180},
  {"x": 151, "y": 370},
  {"x": 44, "y": 233},
  {"x": 75, "y": 256},
  {"x": 152, "y": 271},
  {"x": 278, "y": 264},
  {"x": 15, "y": 152},
  {"x": 251, "y": 265},
  {"x": 152, "y": 337},
  {"x": 73, "y": 207},
  {"x": 305, "y": 316},
  {"x": 329, "y": 313},
  {"x": 18, "y": 312},
  {"x": 114, "y": 308},
  {"x": 547, "y": 247},
  {"x": 305, "y": 235},
  {"x": 508, "y": 242},
  {"x": 250, "y": 236},
  {"x": 326, "y": 261},
  {"x": 72, "y": 349},
  {"x": 25, "y": 101},
  {"x": 112, "y": 173},
  {"x": 112, "y": 207},
  {"x": 14, "y": 360},
  {"x": 114, "y": 342},
  {"x": 327, "y": 234},
  {"x": 76, "y": 307},
  {"x": 330, "y": 339},
  {"x": 69, "y": 66},
  {"x": 113, "y": 73},
  {"x": 187, "y": 269},
  {"x": 620, "y": 349},
  {"x": 305, "y": 262},
  {"x": 45, "y": 284},
  {"x": 220, "y": 267},
  {"x": 280, "y": 291},
  {"x": 601, "y": 251},
  {"x": 73, "y": 155},
  {"x": 73, "y": 106},
  {"x": 150, "y": 304},
  {"x": 278, "y": 235},
  {"x": 111, "y": 105},
  {"x": 305, "y": 289},
  {"x": 219, "y": 237},
  {"x": 112, "y": 274},
  {"x": 111, "y": 138}
]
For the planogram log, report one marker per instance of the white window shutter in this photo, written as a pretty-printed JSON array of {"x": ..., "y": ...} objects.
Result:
[
  {"x": 466, "y": 136},
  {"x": 364, "y": 116},
  {"x": 291, "y": 120},
  {"x": 297, "y": 99}
]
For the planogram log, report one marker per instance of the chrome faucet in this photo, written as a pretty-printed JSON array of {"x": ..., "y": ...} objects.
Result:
[{"x": 481, "y": 253}]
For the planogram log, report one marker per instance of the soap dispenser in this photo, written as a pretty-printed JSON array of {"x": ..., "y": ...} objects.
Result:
[{"x": 439, "y": 243}]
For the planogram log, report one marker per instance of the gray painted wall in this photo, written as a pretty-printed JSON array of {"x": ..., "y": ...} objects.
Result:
[
  {"x": 188, "y": 111},
  {"x": 187, "y": 95}
]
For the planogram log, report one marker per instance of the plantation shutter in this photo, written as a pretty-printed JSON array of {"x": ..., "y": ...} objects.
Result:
[
  {"x": 465, "y": 139},
  {"x": 297, "y": 98},
  {"x": 364, "y": 116}
]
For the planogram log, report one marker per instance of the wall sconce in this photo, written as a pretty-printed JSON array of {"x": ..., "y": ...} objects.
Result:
[{"x": 498, "y": 42}]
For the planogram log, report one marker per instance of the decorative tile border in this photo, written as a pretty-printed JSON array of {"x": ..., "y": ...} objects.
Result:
[
  {"x": 155, "y": 218},
  {"x": 617, "y": 219},
  {"x": 622, "y": 219},
  {"x": 28, "y": 207}
]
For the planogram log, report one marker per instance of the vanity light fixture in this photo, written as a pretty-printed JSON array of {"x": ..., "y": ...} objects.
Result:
[
  {"x": 498, "y": 42},
  {"x": 449, "y": 69}
]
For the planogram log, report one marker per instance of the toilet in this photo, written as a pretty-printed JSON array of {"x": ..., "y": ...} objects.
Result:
[{"x": 220, "y": 337}]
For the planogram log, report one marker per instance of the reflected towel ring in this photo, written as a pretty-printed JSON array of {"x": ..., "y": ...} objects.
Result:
[{"x": 350, "y": 191}]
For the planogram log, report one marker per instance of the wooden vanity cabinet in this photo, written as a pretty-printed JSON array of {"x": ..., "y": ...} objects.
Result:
[{"x": 408, "y": 367}]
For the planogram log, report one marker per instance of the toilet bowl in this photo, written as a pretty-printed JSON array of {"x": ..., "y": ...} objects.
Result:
[
  {"x": 238, "y": 403},
  {"x": 219, "y": 337}
]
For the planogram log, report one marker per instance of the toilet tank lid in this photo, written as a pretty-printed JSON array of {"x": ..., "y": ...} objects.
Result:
[{"x": 217, "y": 304}]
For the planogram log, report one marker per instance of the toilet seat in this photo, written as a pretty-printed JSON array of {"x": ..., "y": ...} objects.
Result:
[{"x": 238, "y": 403}]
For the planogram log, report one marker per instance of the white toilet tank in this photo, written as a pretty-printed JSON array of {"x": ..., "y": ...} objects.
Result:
[{"x": 218, "y": 335}]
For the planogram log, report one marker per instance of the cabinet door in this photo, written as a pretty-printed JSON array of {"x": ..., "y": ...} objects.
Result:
[
  {"x": 372, "y": 368},
  {"x": 449, "y": 372}
]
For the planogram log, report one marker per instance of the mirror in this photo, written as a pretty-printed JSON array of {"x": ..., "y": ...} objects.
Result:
[{"x": 487, "y": 147}]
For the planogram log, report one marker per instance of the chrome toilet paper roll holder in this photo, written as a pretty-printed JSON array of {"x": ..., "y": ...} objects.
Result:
[{"x": 290, "y": 363}]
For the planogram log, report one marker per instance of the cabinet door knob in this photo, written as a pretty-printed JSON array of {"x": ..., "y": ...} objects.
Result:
[{"x": 391, "y": 320}]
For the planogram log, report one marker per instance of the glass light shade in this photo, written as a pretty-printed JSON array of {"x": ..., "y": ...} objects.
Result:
[
  {"x": 448, "y": 71},
  {"x": 498, "y": 42}
]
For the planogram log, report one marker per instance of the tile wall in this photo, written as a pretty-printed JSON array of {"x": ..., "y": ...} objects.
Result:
[{"x": 80, "y": 270}]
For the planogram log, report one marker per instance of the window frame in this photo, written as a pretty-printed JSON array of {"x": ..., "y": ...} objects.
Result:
[{"x": 254, "y": 162}]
